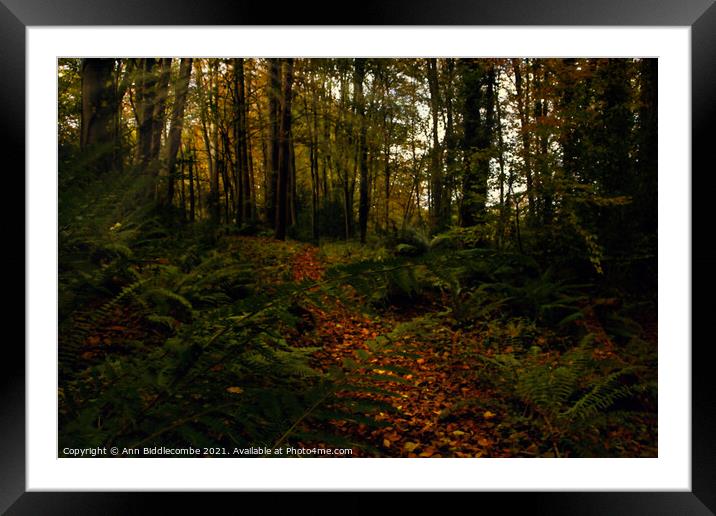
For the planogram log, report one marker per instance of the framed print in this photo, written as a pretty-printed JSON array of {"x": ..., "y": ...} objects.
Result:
[{"x": 429, "y": 249}]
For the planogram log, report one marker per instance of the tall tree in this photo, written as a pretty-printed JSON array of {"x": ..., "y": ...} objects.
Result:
[
  {"x": 522, "y": 102},
  {"x": 451, "y": 140},
  {"x": 274, "y": 97},
  {"x": 160, "y": 103},
  {"x": 438, "y": 218},
  {"x": 477, "y": 138},
  {"x": 176, "y": 126},
  {"x": 284, "y": 151},
  {"x": 312, "y": 133},
  {"x": 243, "y": 197},
  {"x": 363, "y": 205},
  {"x": 616, "y": 167},
  {"x": 146, "y": 95},
  {"x": 98, "y": 115},
  {"x": 646, "y": 170},
  {"x": 205, "y": 112}
]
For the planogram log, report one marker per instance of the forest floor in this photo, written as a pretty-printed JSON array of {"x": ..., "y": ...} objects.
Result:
[
  {"x": 429, "y": 374},
  {"x": 432, "y": 384},
  {"x": 435, "y": 384}
]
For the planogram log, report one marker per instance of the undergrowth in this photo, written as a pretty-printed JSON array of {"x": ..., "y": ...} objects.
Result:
[{"x": 190, "y": 335}]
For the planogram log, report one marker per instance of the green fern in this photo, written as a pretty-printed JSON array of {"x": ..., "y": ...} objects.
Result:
[{"x": 564, "y": 394}]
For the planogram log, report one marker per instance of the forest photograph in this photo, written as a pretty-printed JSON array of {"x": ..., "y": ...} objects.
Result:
[{"x": 439, "y": 257}]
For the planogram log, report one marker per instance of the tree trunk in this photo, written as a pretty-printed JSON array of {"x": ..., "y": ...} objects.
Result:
[
  {"x": 240, "y": 141},
  {"x": 146, "y": 95},
  {"x": 192, "y": 211},
  {"x": 284, "y": 154},
  {"x": 213, "y": 200},
  {"x": 176, "y": 126},
  {"x": 501, "y": 179},
  {"x": 362, "y": 148},
  {"x": 646, "y": 172},
  {"x": 437, "y": 210},
  {"x": 450, "y": 141},
  {"x": 524, "y": 133},
  {"x": 182, "y": 188},
  {"x": 314, "y": 169},
  {"x": 98, "y": 113},
  {"x": 477, "y": 140},
  {"x": 292, "y": 191},
  {"x": 159, "y": 112},
  {"x": 274, "y": 94}
]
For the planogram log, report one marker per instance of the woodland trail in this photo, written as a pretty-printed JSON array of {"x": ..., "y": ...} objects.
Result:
[{"x": 437, "y": 409}]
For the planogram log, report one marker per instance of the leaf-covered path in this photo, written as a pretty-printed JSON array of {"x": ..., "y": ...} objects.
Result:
[{"x": 437, "y": 412}]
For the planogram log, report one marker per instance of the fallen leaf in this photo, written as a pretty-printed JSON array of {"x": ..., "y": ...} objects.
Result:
[
  {"x": 234, "y": 390},
  {"x": 409, "y": 447}
]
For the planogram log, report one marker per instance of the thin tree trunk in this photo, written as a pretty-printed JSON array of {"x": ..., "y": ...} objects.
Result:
[
  {"x": 181, "y": 182},
  {"x": 159, "y": 114},
  {"x": 312, "y": 128},
  {"x": 177, "y": 124},
  {"x": 192, "y": 212},
  {"x": 362, "y": 149},
  {"x": 240, "y": 140},
  {"x": 437, "y": 211},
  {"x": 293, "y": 193},
  {"x": 524, "y": 133},
  {"x": 146, "y": 98},
  {"x": 284, "y": 154},
  {"x": 501, "y": 178},
  {"x": 274, "y": 114}
]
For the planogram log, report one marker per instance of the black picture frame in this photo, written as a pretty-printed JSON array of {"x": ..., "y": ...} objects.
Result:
[{"x": 700, "y": 15}]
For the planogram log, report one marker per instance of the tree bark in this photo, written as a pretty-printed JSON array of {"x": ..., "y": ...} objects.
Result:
[
  {"x": 159, "y": 112},
  {"x": 176, "y": 126},
  {"x": 524, "y": 133},
  {"x": 363, "y": 205},
  {"x": 646, "y": 172},
  {"x": 98, "y": 113},
  {"x": 192, "y": 210},
  {"x": 450, "y": 140},
  {"x": 242, "y": 173},
  {"x": 284, "y": 152},
  {"x": 274, "y": 94},
  {"x": 146, "y": 96},
  {"x": 477, "y": 140},
  {"x": 437, "y": 211}
]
